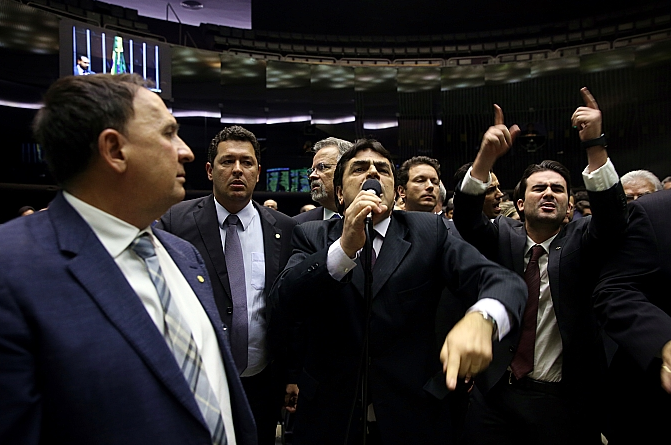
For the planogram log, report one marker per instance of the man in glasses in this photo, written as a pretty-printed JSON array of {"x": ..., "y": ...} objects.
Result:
[{"x": 327, "y": 153}]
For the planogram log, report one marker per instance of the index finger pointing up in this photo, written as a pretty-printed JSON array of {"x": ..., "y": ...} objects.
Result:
[
  {"x": 588, "y": 98},
  {"x": 498, "y": 114}
]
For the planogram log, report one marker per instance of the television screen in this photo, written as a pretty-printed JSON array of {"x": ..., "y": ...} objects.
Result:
[
  {"x": 278, "y": 180},
  {"x": 299, "y": 180},
  {"x": 86, "y": 49}
]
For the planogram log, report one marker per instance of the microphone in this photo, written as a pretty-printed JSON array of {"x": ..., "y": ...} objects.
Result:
[{"x": 372, "y": 185}]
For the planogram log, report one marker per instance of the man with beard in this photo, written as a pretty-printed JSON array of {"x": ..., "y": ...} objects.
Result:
[
  {"x": 542, "y": 384},
  {"x": 327, "y": 153}
]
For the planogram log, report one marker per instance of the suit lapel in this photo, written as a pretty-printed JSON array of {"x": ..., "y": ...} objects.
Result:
[
  {"x": 272, "y": 243},
  {"x": 192, "y": 272},
  {"x": 394, "y": 249},
  {"x": 518, "y": 241},
  {"x": 208, "y": 226},
  {"x": 93, "y": 267}
]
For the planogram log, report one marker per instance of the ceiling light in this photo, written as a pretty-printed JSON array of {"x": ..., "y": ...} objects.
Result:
[{"x": 192, "y": 5}]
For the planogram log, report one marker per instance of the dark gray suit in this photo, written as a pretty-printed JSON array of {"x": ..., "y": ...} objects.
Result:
[
  {"x": 632, "y": 300},
  {"x": 418, "y": 258},
  {"x": 196, "y": 221},
  {"x": 316, "y": 214},
  {"x": 575, "y": 256}
]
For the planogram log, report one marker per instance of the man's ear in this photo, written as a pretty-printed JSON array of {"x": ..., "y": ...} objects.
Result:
[
  {"x": 111, "y": 146},
  {"x": 520, "y": 205},
  {"x": 401, "y": 192},
  {"x": 339, "y": 195},
  {"x": 208, "y": 170},
  {"x": 258, "y": 174}
]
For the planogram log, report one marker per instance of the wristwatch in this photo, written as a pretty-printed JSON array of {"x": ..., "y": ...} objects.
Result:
[
  {"x": 489, "y": 318},
  {"x": 601, "y": 140}
]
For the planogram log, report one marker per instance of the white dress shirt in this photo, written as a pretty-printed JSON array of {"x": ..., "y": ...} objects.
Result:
[
  {"x": 253, "y": 252},
  {"x": 548, "y": 346},
  {"x": 116, "y": 236}
]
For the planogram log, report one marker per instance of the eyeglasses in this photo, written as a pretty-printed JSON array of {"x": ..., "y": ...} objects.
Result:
[
  {"x": 634, "y": 196},
  {"x": 320, "y": 168}
]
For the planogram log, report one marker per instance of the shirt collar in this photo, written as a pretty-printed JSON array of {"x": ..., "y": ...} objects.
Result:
[
  {"x": 328, "y": 213},
  {"x": 545, "y": 244},
  {"x": 246, "y": 215},
  {"x": 382, "y": 227},
  {"x": 114, "y": 234}
]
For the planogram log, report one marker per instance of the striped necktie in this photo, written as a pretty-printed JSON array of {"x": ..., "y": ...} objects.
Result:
[{"x": 180, "y": 341}]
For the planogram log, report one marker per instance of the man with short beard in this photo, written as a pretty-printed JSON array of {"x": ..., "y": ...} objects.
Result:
[
  {"x": 541, "y": 386},
  {"x": 327, "y": 153}
]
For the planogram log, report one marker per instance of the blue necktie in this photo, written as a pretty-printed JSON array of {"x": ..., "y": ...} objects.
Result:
[
  {"x": 236, "y": 278},
  {"x": 180, "y": 341}
]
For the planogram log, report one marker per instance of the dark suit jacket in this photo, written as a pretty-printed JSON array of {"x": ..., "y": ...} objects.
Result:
[
  {"x": 632, "y": 300},
  {"x": 407, "y": 385},
  {"x": 81, "y": 361},
  {"x": 316, "y": 214},
  {"x": 195, "y": 220},
  {"x": 573, "y": 266}
]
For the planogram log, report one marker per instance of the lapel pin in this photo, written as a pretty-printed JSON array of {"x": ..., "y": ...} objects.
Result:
[
  {"x": 558, "y": 247},
  {"x": 201, "y": 279},
  {"x": 277, "y": 235}
]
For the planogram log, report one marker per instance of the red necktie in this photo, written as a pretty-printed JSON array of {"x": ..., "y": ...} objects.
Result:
[{"x": 523, "y": 361}]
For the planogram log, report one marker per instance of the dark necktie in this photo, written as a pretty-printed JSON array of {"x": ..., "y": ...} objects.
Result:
[
  {"x": 236, "y": 278},
  {"x": 177, "y": 335},
  {"x": 335, "y": 216},
  {"x": 523, "y": 361}
]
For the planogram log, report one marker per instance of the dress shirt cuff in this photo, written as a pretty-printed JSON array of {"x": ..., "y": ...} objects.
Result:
[
  {"x": 497, "y": 311},
  {"x": 600, "y": 179},
  {"x": 337, "y": 262},
  {"x": 473, "y": 186}
]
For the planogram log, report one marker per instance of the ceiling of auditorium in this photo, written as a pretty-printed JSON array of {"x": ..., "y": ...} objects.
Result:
[{"x": 383, "y": 17}]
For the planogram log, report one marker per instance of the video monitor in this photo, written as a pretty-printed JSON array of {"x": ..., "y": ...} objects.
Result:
[
  {"x": 86, "y": 49},
  {"x": 278, "y": 179},
  {"x": 299, "y": 180}
]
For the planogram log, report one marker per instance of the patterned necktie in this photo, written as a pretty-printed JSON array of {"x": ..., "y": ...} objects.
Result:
[
  {"x": 236, "y": 278},
  {"x": 523, "y": 361},
  {"x": 180, "y": 341}
]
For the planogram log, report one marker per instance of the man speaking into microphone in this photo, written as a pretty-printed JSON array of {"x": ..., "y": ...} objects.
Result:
[{"x": 414, "y": 258}]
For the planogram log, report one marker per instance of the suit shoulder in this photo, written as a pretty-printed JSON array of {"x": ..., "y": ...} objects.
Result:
[
  {"x": 280, "y": 218},
  {"x": 189, "y": 204},
  {"x": 315, "y": 214}
]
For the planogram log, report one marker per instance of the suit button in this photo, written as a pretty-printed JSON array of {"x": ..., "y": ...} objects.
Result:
[
  {"x": 229, "y": 310},
  {"x": 511, "y": 349},
  {"x": 223, "y": 327}
]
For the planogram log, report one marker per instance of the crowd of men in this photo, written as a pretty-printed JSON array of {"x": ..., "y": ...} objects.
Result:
[{"x": 131, "y": 316}]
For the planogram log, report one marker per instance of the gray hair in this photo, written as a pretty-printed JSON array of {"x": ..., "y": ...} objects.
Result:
[
  {"x": 341, "y": 144},
  {"x": 642, "y": 175}
]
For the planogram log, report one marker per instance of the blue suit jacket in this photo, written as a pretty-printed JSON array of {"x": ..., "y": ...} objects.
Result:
[{"x": 81, "y": 361}]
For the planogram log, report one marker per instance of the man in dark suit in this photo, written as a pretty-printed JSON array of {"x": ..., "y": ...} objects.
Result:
[
  {"x": 541, "y": 387},
  {"x": 323, "y": 285},
  {"x": 632, "y": 302},
  {"x": 327, "y": 152},
  {"x": 265, "y": 242},
  {"x": 101, "y": 316}
]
